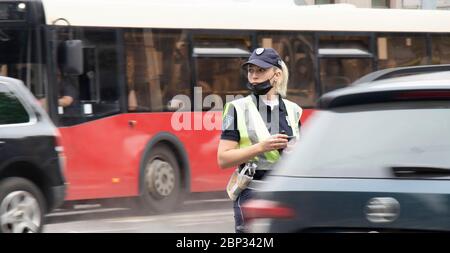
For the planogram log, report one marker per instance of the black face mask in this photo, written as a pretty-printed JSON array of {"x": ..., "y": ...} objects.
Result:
[{"x": 261, "y": 88}]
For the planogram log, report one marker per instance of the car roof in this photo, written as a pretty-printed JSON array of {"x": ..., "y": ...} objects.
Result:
[
  {"x": 381, "y": 90},
  {"x": 13, "y": 84},
  {"x": 18, "y": 87}
]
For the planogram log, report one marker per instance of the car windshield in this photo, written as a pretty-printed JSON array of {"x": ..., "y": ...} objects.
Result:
[{"x": 369, "y": 140}]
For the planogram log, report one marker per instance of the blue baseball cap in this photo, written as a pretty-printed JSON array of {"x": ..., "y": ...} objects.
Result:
[{"x": 264, "y": 58}]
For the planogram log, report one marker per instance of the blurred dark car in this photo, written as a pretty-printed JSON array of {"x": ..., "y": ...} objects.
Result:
[
  {"x": 374, "y": 158},
  {"x": 31, "y": 162}
]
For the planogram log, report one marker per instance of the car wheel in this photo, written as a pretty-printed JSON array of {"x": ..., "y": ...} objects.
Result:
[
  {"x": 22, "y": 206},
  {"x": 161, "y": 181}
]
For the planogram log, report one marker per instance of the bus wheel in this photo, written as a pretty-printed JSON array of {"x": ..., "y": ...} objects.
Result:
[
  {"x": 161, "y": 181},
  {"x": 21, "y": 206}
]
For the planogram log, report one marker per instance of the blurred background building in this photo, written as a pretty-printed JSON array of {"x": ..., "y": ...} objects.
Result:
[{"x": 405, "y": 4}]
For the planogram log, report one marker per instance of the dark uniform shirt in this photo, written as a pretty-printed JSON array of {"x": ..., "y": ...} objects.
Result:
[
  {"x": 231, "y": 132},
  {"x": 66, "y": 88}
]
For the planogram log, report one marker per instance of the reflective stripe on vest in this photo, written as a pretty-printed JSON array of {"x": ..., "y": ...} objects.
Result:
[
  {"x": 294, "y": 114},
  {"x": 252, "y": 128}
]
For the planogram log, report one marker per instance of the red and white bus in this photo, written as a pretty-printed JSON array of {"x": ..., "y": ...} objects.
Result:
[{"x": 127, "y": 59}]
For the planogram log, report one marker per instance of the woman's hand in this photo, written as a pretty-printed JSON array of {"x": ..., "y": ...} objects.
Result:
[
  {"x": 229, "y": 154},
  {"x": 274, "y": 142}
]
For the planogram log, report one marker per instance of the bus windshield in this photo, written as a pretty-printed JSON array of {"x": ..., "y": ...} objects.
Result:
[{"x": 20, "y": 57}]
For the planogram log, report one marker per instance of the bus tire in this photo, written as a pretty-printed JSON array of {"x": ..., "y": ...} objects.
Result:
[
  {"x": 161, "y": 181},
  {"x": 22, "y": 206}
]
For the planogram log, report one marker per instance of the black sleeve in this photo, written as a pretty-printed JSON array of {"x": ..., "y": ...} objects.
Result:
[
  {"x": 229, "y": 125},
  {"x": 69, "y": 90}
]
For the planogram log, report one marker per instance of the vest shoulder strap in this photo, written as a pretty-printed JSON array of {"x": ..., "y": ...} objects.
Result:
[
  {"x": 241, "y": 101},
  {"x": 293, "y": 105},
  {"x": 240, "y": 107},
  {"x": 294, "y": 112}
]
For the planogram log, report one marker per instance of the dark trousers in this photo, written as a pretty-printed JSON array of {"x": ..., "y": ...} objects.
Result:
[{"x": 238, "y": 217}]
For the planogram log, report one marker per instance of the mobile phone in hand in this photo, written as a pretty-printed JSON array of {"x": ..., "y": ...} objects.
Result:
[{"x": 289, "y": 137}]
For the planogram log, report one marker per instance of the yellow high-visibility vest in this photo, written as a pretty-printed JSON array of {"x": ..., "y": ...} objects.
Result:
[{"x": 252, "y": 128}]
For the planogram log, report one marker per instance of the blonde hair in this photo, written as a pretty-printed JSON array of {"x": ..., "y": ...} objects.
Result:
[{"x": 281, "y": 86}]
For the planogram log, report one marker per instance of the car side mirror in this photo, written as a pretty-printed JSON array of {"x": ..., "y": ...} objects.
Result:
[{"x": 71, "y": 57}]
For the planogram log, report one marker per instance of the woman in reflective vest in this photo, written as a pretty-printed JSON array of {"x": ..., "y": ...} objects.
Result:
[{"x": 256, "y": 128}]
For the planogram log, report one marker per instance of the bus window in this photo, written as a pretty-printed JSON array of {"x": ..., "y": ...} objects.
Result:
[
  {"x": 90, "y": 90},
  {"x": 441, "y": 49},
  {"x": 218, "y": 63},
  {"x": 95, "y": 93},
  {"x": 401, "y": 51},
  {"x": 298, "y": 53},
  {"x": 157, "y": 68},
  {"x": 337, "y": 73},
  {"x": 21, "y": 58},
  {"x": 343, "y": 59}
]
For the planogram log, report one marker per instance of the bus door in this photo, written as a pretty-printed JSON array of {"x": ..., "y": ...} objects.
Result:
[
  {"x": 88, "y": 70},
  {"x": 343, "y": 59}
]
